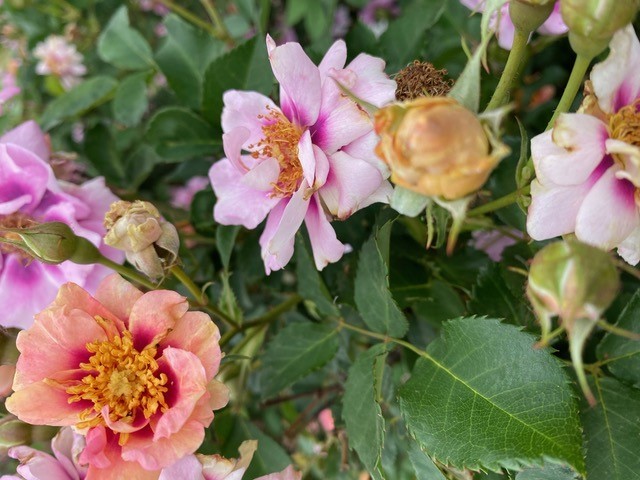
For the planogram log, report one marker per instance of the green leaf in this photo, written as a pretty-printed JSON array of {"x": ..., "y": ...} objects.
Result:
[
  {"x": 423, "y": 465},
  {"x": 401, "y": 42},
  {"x": 179, "y": 134},
  {"x": 467, "y": 87},
  {"x": 78, "y": 100},
  {"x": 130, "y": 101},
  {"x": 246, "y": 67},
  {"x": 311, "y": 287},
  {"x": 372, "y": 296},
  {"x": 294, "y": 352},
  {"x": 184, "y": 57},
  {"x": 548, "y": 472},
  {"x": 623, "y": 354},
  {"x": 225, "y": 238},
  {"x": 99, "y": 147},
  {"x": 361, "y": 412},
  {"x": 491, "y": 296},
  {"x": 122, "y": 46},
  {"x": 612, "y": 430},
  {"x": 484, "y": 397}
]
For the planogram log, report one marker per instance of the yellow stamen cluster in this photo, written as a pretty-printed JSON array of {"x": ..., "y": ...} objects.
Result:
[
  {"x": 14, "y": 220},
  {"x": 121, "y": 378},
  {"x": 280, "y": 141},
  {"x": 625, "y": 124}
]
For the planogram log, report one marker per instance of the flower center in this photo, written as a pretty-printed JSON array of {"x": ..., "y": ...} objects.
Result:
[
  {"x": 121, "y": 378},
  {"x": 280, "y": 141},
  {"x": 14, "y": 220},
  {"x": 625, "y": 124}
]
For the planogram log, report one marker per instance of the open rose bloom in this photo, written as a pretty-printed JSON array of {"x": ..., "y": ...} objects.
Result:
[
  {"x": 309, "y": 160},
  {"x": 504, "y": 28},
  {"x": 133, "y": 372},
  {"x": 29, "y": 192},
  {"x": 588, "y": 165}
]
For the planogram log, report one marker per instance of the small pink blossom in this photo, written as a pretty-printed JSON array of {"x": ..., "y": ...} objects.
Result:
[
  {"x": 29, "y": 192},
  {"x": 132, "y": 371},
  {"x": 505, "y": 30},
  {"x": 310, "y": 160},
  {"x": 181, "y": 197},
  {"x": 588, "y": 165},
  {"x": 62, "y": 465},
  {"x": 60, "y": 59}
]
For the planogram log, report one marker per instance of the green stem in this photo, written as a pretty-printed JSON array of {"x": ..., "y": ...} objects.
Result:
[
  {"x": 500, "y": 202},
  {"x": 127, "y": 272},
  {"x": 384, "y": 338},
  {"x": 221, "y": 28},
  {"x": 190, "y": 17},
  {"x": 621, "y": 264},
  {"x": 574, "y": 84},
  {"x": 618, "y": 331},
  {"x": 513, "y": 68},
  {"x": 194, "y": 290}
]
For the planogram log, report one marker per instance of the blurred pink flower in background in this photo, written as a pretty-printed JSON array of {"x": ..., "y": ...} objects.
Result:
[
  {"x": 377, "y": 13},
  {"x": 493, "y": 242},
  {"x": 29, "y": 192},
  {"x": 62, "y": 465},
  {"x": 588, "y": 165},
  {"x": 134, "y": 372},
  {"x": 181, "y": 197},
  {"x": 154, "y": 6},
  {"x": 60, "y": 59},
  {"x": 505, "y": 29},
  {"x": 325, "y": 417},
  {"x": 310, "y": 160},
  {"x": 8, "y": 83}
]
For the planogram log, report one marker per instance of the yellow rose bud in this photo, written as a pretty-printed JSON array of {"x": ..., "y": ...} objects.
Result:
[
  {"x": 435, "y": 147},
  {"x": 150, "y": 242}
]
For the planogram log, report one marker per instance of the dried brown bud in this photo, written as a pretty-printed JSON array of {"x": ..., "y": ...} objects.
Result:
[{"x": 422, "y": 79}]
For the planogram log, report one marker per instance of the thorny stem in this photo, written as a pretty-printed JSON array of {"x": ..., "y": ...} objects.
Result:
[
  {"x": 513, "y": 68},
  {"x": 578, "y": 72},
  {"x": 500, "y": 202}
]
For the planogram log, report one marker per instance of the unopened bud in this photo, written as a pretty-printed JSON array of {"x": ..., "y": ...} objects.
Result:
[
  {"x": 150, "y": 242},
  {"x": 13, "y": 432},
  {"x": 575, "y": 282},
  {"x": 436, "y": 147},
  {"x": 48, "y": 242},
  {"x": 592, "y": 23}
]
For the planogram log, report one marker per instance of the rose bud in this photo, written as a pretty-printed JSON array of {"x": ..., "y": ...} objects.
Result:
[
  {"x": 436, "y": 147},
  {"x": 150, "y": 242}
]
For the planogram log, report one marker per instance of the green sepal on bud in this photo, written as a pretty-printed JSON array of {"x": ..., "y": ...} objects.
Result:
[
  {"x": 592, "y": 23},
  {"x": 575, "y": 282},
  {"x": 529, "y": 15},
  {"x": 51, "y": 243}
]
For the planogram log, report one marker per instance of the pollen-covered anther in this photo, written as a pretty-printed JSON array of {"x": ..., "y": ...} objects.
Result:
[
  {"x": 280, "y": 141},
  {"x": 624, "y": 125},
  {"x": 121, "y": 378}
]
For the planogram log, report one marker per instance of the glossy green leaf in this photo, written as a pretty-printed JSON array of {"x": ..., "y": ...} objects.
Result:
[
  {"x": 122, "y": 46},
  {"x": 467, "y": 87},
  {"x": 612, "y": 430},
  {"x": 372, "y": 296},
  {"x": 225, "y": 239},
  {"x": 246, "y": 67},
  {"x": 83, "y": 97},
  {"x": 130, "y": 101},
  {"x": 622, "y": 354},
  {"x": 294, "y": 352},
  {"x": 180, "y": 134},
  {"x": 361, "y": 412},
  {"x": 99, "y": 147},
  {"x": 548, "y": 472},
  {"x": 311, "y": 287},
  {"x": 184, "y": 57},
  {"x": 484, "y": 397},
  {"x": 423, "y": 465}
]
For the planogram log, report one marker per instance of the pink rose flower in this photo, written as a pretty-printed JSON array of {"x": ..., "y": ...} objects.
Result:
[
  {"x": 181, "y": 197},
  {"x": 502, "y": 24},
  {"x": 63, "y": 465},
  {"x": 61, "y": 59},
  {"x": 29, "y": 192},
  {"x": 215, "y": 467},
  {"x": 308, "y": 160},
  {"x": 134, "y": 372},
  {"x": 588, "y": 165}
]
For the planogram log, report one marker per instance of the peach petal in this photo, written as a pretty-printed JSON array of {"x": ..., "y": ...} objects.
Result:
[
  {"x": 118, "y": 295},
  {"x": 196, "y": 333},
  {"x": 40, "y": 403},
  {"x": 219, "y": 394},
  {"x": 154, "y": 314}
]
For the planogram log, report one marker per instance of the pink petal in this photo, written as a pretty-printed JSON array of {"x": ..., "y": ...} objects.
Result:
[
  {"x": 154, "y": 315},
  {"x": 262, "y": 176},
  {"x": 292, "y": 218},
  {"x": 554, "y": 25},
  {"x": 274, "y": 262},
  {"x": 372, "y": 85},
  {"x": 236, "y": 203},
  {"x": 241, "y": 109},
  {"x": 307, "y": 158},
  {"x": 118, "y": 295},
  {"x": 616, "y": 80},
  {"x": 569, "y": 153},
  {"x": 300, "y": 85},
  {"x": 38, "y": 465},
  {"x": 219, "y": 394},
  {"x": 24, "y": 178},
  {"x": 609, "y": 213},
  {"x": 123, "y": 426},
  {"x": 216, "y": 467},
  {"x": 188, "y": 468},
  {"x": 364, "y": 148},
  {"x": 324, "y": 243},
  {"x": 67, "y": 447},
  {"x": 196, "y": 333},
  {"x": 232, "y": 143},
  {"x": 335, "y": 58},
  {"x": 630, "y": 157},
  {"x": 288, "y": 473},
  {"x": 29, "y": 136},
  {"x": 350, "y": 183}
]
